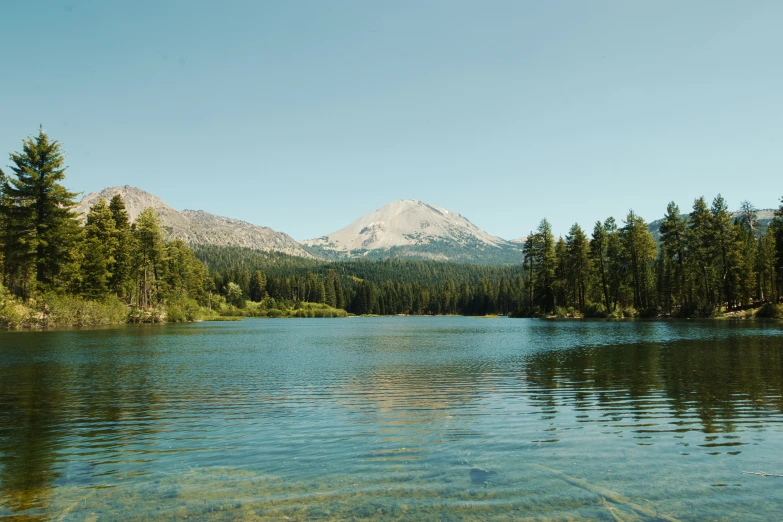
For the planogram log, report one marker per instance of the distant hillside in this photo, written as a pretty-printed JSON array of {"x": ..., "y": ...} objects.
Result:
[
  {"x": 415, "y": 230},
  {"x": 197, "y": 227},
  {"x": 765, "y": 217}
]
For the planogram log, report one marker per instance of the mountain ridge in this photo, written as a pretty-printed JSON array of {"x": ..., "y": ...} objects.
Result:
[{"x": 197, "y": 227}]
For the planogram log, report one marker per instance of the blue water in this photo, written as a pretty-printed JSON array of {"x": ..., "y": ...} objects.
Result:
[{"x": 443, "y": 418}]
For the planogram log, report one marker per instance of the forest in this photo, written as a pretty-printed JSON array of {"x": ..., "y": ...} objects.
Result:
[{"x": 60, "y": 269}]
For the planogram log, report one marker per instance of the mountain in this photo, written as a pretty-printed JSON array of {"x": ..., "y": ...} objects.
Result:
[
  {"x": 415, "y": 230},
  {"x": 196, "y": 227}
]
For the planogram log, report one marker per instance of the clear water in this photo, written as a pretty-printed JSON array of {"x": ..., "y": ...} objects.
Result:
[{"x": 396, "y": 418}]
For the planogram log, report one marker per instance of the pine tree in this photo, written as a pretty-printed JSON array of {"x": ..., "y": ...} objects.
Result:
[
  {"x": 121, "y": 268},
  {"x": 529, "y": 257},
  {"x": 598, "y": 251},
  {"x": 99, "y": 245},
  {"x": 615, "y": 255},
  {"x": 40, "y": 229},
  {"x": 640, "y": 249},
  {"x": 698, "y": 240},
  {"x": 257, "y": 286},
  {"x": 547, "y": 262},
  {"x": 777, "y": 229},
  {"x": 580, "y": 263},
  {"x": 721, "y": 239},
  {"x": 148, "y": 256},
  {"x": 673, "y": 252}
]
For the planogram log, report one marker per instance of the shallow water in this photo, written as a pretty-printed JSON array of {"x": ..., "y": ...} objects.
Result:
[{"x": 441, "y": 418}]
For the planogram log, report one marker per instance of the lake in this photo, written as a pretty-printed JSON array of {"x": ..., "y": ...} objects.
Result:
[{"x": 402, "y": 418}]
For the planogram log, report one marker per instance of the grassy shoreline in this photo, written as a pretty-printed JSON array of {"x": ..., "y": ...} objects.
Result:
[{"x": 58, "y": 311}]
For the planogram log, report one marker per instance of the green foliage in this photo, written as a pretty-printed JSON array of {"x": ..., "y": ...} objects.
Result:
[
  {"x": 697, "y": 309},
  {"x": 109, "y": 271},
  {"x": 39, "y": 230},
  {"x": 770, "y": 311},
  {"x": 234, "y": 295},
  {"x": 58, "y": 310},
  {"x": 56, "y": 273},
  {"x": 13, "y": 314},
  {"x": 185, "y": 310},
  {"x": 98, "y": 247},
  {"x": 595, "y": 311},
  {"x": 317, "y": 310}
]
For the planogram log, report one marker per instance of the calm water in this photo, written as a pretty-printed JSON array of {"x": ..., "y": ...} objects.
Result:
[{"x": 398, "y": 418}]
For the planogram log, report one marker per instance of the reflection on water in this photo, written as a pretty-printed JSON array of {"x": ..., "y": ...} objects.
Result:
[{"x": 400, "y": 418}]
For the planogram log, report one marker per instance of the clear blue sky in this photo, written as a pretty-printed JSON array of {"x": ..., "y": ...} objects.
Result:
[{"x": 303, "y": 115}]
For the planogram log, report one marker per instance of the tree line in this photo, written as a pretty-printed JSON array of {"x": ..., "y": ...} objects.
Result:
[
  {"x": 386, "y": 287},
  {"x": 706, "y": 261}
]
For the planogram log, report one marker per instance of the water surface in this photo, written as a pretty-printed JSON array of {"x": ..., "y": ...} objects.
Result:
[{"x": 401, "y": 418}]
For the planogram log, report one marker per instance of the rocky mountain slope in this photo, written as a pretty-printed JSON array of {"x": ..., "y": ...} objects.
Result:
[
  {"x": 414, "y": 229},
  {"x": 197, "y": 227}
]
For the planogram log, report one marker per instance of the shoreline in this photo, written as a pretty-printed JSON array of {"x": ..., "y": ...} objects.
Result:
[{"x": 220, "y": 319}]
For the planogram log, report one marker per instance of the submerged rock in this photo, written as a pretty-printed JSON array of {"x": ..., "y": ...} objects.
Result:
[{"x": 481, "y": 476}]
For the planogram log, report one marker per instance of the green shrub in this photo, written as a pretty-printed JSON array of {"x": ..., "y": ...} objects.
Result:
[
  {"x": 13, "y": 314},
  {"x": 183, "y": 310},
  {"x": 770, "y": 311},
  {"x": 648, "y": 313},
  {"x": 595, "y": 310},
  {"x": 697, "y": 309},
  {"x": 58, "y": 310},
  {"x": 151, "y": 315}
]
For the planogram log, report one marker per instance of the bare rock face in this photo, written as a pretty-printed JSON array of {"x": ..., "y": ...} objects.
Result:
[
  {"x": 196, "y": 227},
  {"x": 414, "y": 229}
]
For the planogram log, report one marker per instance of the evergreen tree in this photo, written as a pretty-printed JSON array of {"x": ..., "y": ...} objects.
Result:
[
  {"x": 748, "y": 216},
  {"x": 766, "y": 257},
  {"x": 777, "y": 230},
  {"x": 148, "y": 256},
  {"x": 547, "y": 263},
  {"x": 99, "y": 245},
  {"x": 722, "y": 242},
  {"x": 580, "y": 264},
  {"x": 698, "y": 240},
  {"x": 673, "y": 255},
  {"x": 615, "y": 255},
  {"x": 257, "y": 286},
  {"x": 121, "y": 269},
  {"x": 598, "y": 251},
  {"x": 40, "y": 229},
  {"x": 529, "y": 250},
  {"x": 641, "y": 250}
]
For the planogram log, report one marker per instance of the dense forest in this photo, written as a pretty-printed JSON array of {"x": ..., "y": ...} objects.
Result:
[
  {"x": 705, "y": 262},
  {"x": 58, "y": 268}
]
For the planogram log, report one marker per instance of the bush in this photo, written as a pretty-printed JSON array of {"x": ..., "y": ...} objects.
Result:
[
  {"x": 56, "y": 310},
  {"x": 318, "y": 310},
  {"x": 648, "y": 313},
  {"x": 13, "y": 314},
  {"x": 183, "y": 310},
  {"x": 698, "y": 309},
  {"x": 151, "y": 315},
  {"x": 770, "y": 311},
  {"x": 596, "y": 311}
]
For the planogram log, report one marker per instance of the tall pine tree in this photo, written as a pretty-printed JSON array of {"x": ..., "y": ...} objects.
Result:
[{"x": 40, "y": 229}]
